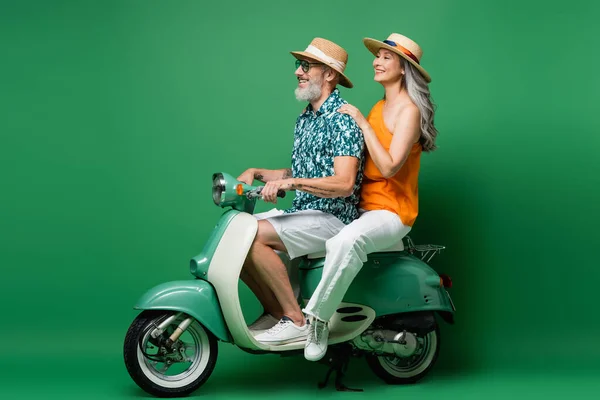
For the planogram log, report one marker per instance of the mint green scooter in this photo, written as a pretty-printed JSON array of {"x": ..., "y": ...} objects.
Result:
[{"x": 387, "y": 315}]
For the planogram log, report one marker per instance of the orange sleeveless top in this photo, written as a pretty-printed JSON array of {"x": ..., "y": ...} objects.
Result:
[{"x": 399, "y": 193}]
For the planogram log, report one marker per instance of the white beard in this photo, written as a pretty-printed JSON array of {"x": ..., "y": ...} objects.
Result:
[{"x": 311, "y": 92}]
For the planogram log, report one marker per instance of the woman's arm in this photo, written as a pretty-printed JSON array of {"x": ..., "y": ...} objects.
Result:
[{"x": 407, "y": 131}]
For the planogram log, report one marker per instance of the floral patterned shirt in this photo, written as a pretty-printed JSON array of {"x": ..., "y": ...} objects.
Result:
[{"x": 319, "y": 138}]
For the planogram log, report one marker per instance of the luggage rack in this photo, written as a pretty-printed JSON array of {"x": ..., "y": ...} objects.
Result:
[{"x": 427, "y": 250}]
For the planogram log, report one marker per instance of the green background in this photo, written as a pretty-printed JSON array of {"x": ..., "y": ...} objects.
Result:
[{"x": 116, "y": 113}]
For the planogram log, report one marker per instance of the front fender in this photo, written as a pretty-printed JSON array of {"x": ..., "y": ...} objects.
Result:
[{"x": 193, "y": 297}]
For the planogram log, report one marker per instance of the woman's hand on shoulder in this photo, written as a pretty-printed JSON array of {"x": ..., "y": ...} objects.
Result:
[{"x": 355, "y": 113}]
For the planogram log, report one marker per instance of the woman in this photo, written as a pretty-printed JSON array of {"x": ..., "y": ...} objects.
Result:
[{"x": 397, "y": 130}]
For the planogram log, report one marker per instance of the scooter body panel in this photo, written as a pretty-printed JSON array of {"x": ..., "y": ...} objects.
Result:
[
  {"x": 389, "y": 283},
  {"x": 193, "y": 297},
  {"x": 231, "y": 244},
  {"x": 200, "y": 264}
]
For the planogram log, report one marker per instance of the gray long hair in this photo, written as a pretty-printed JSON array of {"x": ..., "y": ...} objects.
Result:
[{"x": 418, "y": 91}]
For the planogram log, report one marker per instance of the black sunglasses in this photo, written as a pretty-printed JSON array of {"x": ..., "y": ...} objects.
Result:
[{"x": 305, "y": 64}]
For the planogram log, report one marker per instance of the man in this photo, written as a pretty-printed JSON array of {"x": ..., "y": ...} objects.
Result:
[{"x": 326, "y": 173}]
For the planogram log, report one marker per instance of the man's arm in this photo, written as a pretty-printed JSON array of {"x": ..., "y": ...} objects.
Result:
[
  {"x": 341, "y": 184},
  {"x": 348, "y": 151},
  {"x": 264, "y": 175}
]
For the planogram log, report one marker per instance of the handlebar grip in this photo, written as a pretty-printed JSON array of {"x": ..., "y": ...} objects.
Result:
[{"x": 257, "y": 193}]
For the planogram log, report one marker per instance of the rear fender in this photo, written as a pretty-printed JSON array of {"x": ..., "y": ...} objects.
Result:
[{"x": 389, "y": 283}]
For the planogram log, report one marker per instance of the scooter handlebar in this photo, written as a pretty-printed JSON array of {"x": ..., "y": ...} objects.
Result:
[{"x": 257, "y": 193}]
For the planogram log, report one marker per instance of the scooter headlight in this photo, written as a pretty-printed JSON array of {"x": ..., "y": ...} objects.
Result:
[{"x": 218, "y": 188}]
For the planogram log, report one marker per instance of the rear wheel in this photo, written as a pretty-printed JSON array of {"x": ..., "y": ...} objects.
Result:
[
  {"x": 403, "y": 370},
  {"x": 164, "y": 370}
]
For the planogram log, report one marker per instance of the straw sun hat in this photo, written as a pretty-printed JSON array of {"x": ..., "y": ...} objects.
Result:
[
  {"x": 328, "y": 53},
  {"x": 402, "y": 46}
]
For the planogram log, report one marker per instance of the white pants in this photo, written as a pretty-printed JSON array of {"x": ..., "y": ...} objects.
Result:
[
  {"x": 347, "y": 252},
  {"x": 302, "y": 233}
]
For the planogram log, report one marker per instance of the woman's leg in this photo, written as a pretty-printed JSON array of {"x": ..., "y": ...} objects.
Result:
[{"x": 346, "y": 254}]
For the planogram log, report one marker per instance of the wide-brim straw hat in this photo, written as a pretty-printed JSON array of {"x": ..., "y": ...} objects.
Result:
[
  {"x": 402, "y": 46},
  {"x": 328, "y": 53}
]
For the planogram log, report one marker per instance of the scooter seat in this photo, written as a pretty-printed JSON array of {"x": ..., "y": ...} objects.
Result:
[{"x": 399, "y": 246}]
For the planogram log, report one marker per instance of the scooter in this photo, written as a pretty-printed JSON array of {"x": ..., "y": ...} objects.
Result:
[{"x": 388, "y": 314}]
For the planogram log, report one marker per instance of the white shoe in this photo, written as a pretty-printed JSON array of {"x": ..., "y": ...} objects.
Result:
[
  {"x": 264, "y": 322},
  {"x": 316, "y": 343},
  {"x": 284, "y": 332}
]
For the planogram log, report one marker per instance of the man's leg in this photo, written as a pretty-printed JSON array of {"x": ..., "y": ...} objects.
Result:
[
  {"x": 265, "y": 296},
  {"x": 249, "y": 275},
  {"x": 273, "y": 272},
  {"x": 296, "y": 234}
]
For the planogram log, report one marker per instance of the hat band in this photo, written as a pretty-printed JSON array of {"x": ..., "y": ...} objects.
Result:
[
  {"x": 403, "y": 50},
  {"x": 329, "y": 60}
]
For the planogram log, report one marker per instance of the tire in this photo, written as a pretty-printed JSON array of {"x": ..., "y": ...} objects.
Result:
[
  {"x": 384, "y": 367},
  {"x": 145, "y": 372}
]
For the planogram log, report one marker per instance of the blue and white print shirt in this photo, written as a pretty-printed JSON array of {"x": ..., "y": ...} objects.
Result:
[{"x": 318, "y": 138}]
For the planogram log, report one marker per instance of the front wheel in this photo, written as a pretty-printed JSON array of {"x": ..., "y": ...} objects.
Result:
[
  {"x": 168, "y": 369},
  {"x": 398, "y": 370}
]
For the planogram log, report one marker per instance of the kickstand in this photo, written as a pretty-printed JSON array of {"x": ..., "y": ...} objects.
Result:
[{"x": 339, "y": 363}]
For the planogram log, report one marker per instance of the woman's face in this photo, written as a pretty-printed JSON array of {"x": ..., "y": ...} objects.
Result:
[{"x": 387, "y": 66}]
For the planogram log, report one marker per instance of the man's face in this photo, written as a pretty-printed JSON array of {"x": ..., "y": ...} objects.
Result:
[{"x": 310, "y": 80}]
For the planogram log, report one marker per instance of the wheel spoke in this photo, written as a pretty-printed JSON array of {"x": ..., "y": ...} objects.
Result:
[
  {"x": 165, "y": 368},
  {"x": 394, "y": 360},
  {"x": 151, "y": 350},
  {"x": 188, "y": 346},
  {"x": 189, "y": 351}
]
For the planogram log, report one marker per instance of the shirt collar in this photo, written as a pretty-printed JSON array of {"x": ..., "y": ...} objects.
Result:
[{"x": 329, "y": 105}]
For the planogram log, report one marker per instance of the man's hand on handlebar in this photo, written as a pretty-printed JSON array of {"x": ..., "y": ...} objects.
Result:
[{"x": 269, "y": 192}]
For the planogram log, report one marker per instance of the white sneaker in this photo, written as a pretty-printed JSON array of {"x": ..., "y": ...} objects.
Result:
[
  {"x": 316, "y": 343},
  {"x": 284, "y": 332},
  {"x": 264, "y": 322}
]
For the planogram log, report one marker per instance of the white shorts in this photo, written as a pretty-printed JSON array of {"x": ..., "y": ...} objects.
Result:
[{"x": 303, "y": 232}]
